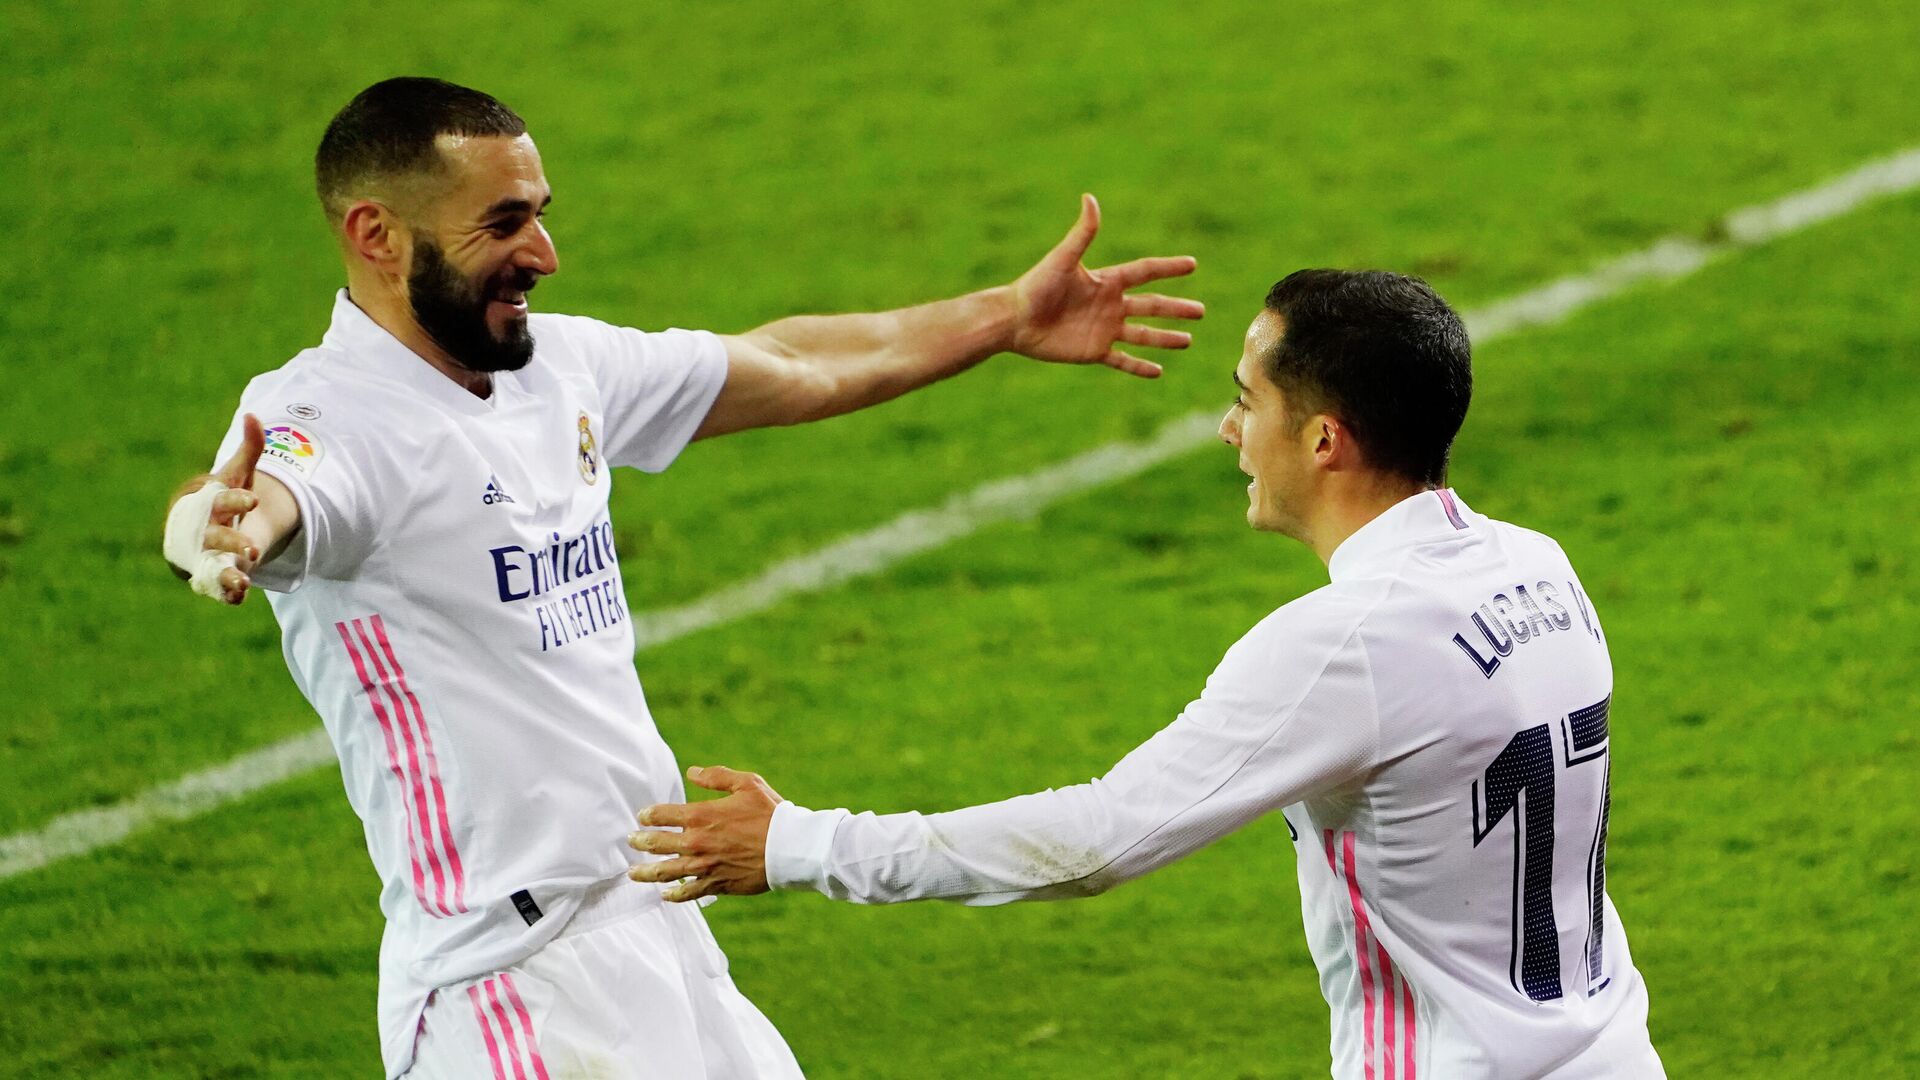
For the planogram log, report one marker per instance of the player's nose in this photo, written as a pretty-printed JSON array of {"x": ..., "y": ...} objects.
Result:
[
  {"x": 1229, "y": 429},
  {"x": 539, "y": 254}
]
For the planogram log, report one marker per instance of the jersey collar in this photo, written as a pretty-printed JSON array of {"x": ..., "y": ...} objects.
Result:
[
  {"x": 355, "y": 333},
  {"x": 1416, "y": 519}
]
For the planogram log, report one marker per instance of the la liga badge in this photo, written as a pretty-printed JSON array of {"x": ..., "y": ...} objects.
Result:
[{"x": 293, "y": 446}]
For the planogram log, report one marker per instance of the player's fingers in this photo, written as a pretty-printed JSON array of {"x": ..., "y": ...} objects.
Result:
[
  {"x": 221, "y": 538},
  {"x": 667, "y": 870},
  {"x": 1131, "y": 364},
  {"x": 1155, "y": 268},
  {"x": 1154, "y": 337},
  {"x": 233, "y": 504},
  {"x": 658, "y": 843},
  {"x": 1158, "y": 306},
  {"x": 693, "y": 890},
  {"x": 668, "y": 814},
  {"x": 238, "y": 470},
  {"x": 1079, "y": 238},
  {"x": 721, "y": 778},
  {"x": 233, "y": 586}
]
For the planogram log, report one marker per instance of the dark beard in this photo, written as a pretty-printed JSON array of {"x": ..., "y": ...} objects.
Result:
[{"x": 453, "y": 311}]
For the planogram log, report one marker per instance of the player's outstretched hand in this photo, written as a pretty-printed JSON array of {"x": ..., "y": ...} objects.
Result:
[
  {"x": 187, "y": 542},
  {"x": 722, "y": 843},
  {"x": 1072, "y": 315}
]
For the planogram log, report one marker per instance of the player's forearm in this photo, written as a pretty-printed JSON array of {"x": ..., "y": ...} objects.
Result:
[
  {"x": 1218, "y": 767},
  {"x": 1049, "y": 845},
  {"x": 864, "y": 359}
]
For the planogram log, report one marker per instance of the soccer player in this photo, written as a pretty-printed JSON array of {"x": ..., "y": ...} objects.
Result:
[
  {"x": 1432, "y": 725},
  {"x": 424, "y": 496}
]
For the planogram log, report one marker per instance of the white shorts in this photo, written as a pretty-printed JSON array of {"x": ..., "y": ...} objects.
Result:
[{"x": 633, "y": 989}]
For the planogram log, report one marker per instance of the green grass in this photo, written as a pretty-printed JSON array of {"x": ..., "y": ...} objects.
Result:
[{"x": 1728, "y": 461}]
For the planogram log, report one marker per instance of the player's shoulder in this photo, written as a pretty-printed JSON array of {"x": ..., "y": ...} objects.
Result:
[
  {"x": 571, "y": 344},
  {"x": 553, "y": 330},
  {"x": 550, "y": 328},
  {"x": 319, "y": 388},
  {"x": 1307, "y": 632},
  {"x": 582, "y": 339},
  {"x": 319, "y": 409},
  {"x": 1521, "y": 541},
  {"x": 308, "y": 367}
]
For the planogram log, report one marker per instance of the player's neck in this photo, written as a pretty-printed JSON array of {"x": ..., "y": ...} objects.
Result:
[
  {"x": 394, "y": 315},
  {"x": 1348, "y": 504}
]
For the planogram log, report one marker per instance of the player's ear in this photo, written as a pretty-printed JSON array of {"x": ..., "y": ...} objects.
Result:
[
  {"x": 374, "y": 234},
  {"x": 1331, "y": 444}
]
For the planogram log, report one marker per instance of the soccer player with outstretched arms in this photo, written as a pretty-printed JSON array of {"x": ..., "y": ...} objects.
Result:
[
  {"x": 424, "y": 496},
  {"x": 1432, "y": 724}
]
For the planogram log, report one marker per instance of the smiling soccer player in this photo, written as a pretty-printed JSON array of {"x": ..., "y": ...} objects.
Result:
[
  {"x": 1432, "y": 724},
  {"x": 426, "y": 504}
]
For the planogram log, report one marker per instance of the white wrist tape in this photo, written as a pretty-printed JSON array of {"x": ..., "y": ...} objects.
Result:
[{"x": 185, "y": 542}]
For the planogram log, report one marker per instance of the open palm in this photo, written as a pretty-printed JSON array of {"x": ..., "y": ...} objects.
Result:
[{"x": 1071, "y": 315}]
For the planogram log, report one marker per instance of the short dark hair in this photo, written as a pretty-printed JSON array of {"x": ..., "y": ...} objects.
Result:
[
  {"x": 1382, "y": 353},
  {"x": 388, "y": 130}
]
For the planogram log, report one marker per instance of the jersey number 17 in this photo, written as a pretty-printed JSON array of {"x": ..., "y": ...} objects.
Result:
[{"x": 1520, "y": 781}]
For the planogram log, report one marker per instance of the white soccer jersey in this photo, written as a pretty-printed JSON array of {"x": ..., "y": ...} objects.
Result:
[
  {"x": 452, "y": 607},
  {"x": 1433, "y": 725}
]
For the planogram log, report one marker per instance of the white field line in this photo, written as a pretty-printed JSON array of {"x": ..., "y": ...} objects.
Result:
[
  {"x": 1016, "y": 497},
  {"x": 193, "y": 794}
]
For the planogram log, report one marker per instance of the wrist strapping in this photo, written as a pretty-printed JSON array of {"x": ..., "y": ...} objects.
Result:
[{"x": 185, "y": 541}]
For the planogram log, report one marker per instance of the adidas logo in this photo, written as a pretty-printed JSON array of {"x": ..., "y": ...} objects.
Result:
[{"x": 494, "y": 494}]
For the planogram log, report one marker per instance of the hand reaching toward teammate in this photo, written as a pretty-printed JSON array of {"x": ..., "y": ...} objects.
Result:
[
  {"x": 1071, "y": 315},
  {"x": 722, "y": 843},
  {"x": 214, "y": 537}
]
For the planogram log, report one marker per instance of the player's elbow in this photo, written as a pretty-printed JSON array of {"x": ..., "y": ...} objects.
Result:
[
  {"x": 1091, "y": 885},
  {"x": 1064, "y": 869}
]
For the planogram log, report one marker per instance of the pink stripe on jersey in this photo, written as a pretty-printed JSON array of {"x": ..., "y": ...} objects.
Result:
[
  {"x": 413, "y": 769},
  {"x": 393, "y": 762},
  {"x": 1452, "y": 508},
  {"x": 493, "y": 1048},
  {"x": 1392, "y": 987},
  {"x": 433, "y": 769},
  {"x": 1362, "y": 944},
  {"x": 1407, "y": 988},
  {"x": 506, "y": 1028},
  {"x": 526, "y": 1025},
  {"x": 1398, "y": 996}
]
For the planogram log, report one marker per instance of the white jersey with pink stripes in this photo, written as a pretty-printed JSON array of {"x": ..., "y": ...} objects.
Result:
[
  {"x": 1433, "y": 724},
  {"x": 452, "y": 607}
]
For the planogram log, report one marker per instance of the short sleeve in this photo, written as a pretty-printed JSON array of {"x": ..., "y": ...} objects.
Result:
[
  {"x": 327, "y": 471},
  {"x": 655, "y": 387}
]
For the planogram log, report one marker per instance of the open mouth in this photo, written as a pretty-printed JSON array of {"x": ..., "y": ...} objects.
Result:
[{"x": 512, "y": 299}]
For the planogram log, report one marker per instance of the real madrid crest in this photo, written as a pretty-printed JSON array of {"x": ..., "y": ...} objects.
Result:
[{"x": 589, "y": 458}]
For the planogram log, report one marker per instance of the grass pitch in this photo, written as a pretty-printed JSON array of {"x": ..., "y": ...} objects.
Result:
[{"x": 1728, "y": 462}]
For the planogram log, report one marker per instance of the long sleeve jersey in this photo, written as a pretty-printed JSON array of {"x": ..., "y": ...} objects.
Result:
[{"x": 1433, "y": 724}]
